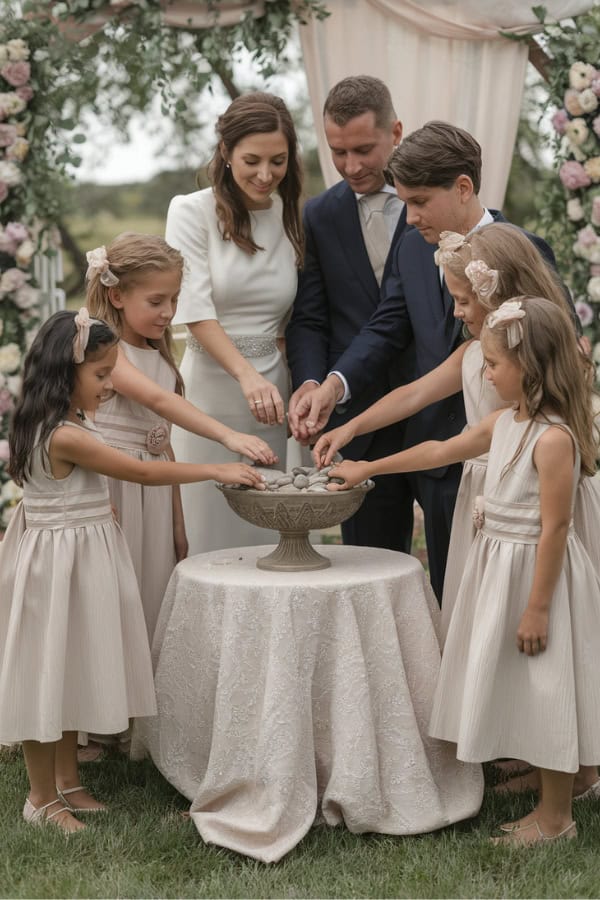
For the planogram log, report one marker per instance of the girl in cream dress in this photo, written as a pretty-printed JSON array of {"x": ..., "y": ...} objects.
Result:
[{"x": 241, "y": 241}]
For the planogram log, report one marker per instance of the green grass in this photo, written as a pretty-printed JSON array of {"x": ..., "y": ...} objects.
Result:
[{"x": 144, "y": 847}]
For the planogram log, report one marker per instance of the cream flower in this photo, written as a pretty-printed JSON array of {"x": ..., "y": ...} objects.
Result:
[
  {"x": 593, "y": 289},
  {"x": 572, "y": 104},
  {"x": 592, "y": 168},
  {"x": 18, "y": 150},
  {"x": 24, "y": 253},
  {"x": 11, "y": 492},
  {"x": 17, "y": 50},
  {"x": 575, "y": 210},
  {"x": 26, "y": 297},
  {"x": 10, "y": 174},
  {"x": 581, "y": 75},
  {"x": 588, "y": 100},
  {"x": 10, "y": 357},
  {"x": 577, "y": 131}
]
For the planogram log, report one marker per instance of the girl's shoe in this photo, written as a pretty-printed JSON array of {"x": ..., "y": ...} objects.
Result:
[
  {"x": 592, "y": 793},
  {"x": 518, "y": 837},
  {"x": 77, "y": 809},
  {"x": 39, "y": 815}
]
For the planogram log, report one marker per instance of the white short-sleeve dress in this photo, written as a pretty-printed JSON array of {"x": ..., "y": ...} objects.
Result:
[
  {"x": 251, "y": 297},
  {"x": 145, "y": 512}
]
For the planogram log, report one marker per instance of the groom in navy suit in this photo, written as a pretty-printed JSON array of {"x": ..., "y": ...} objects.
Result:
[
  {"x": 437, "y": 173},
  {"x": 351, "y": 231}
]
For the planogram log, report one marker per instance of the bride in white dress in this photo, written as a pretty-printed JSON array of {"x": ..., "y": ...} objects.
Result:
[{"x": 242, "y": 242}]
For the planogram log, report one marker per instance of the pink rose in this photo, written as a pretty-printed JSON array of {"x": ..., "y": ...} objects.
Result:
[
  {"x": 16, "y": 232},
  {"x": 6, "y": 401},
  {"x": 16, "y": 73},
  {"x": 586, "y": 236},
  {"x": 4, "y": 451},
  {"x": 559, "y": 120},
  {"x": 6, "y": 244},
  {"x": 8, "y": 134},
  {"x": 585, "y": 313},
  {"x": 25, "y": 93},
  {"x": 573, "y": 175}
]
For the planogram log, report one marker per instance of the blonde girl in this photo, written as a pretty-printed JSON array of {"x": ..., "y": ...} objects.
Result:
[
  {"x": 74, "y": 652},
  {"x": 134, "y": 285},
  {"x": 524, "y": 637}
]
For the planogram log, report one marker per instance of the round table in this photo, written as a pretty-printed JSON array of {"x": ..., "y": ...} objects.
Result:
[{"x": 285, "y": 695}]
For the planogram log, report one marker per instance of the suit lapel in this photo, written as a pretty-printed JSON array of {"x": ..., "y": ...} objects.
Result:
[{"x": 349, "y": 233}]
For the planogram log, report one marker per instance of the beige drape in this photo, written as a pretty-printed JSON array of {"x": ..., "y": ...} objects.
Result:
[{"x": 442, "y": 59}]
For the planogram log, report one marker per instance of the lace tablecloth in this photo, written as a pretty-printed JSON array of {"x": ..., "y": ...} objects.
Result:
[{"x": 283, "y": 696}]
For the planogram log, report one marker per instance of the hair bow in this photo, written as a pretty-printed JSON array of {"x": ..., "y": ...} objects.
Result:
[
  {"x": 510, "y": 312},
  {"x": 450, "y": 243},
  {"x": 83, "y": 323},
  {"x": 484, "y": 280},
  {"x": 98, "y": 262}
]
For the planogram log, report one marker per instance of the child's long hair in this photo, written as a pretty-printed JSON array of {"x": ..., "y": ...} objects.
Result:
[
  {"x": 556, "y": 376},
  {"x": 255, "y": 113},
  {"x": 133, "y": 257},
  {"x": 48, "y": 384},
  {"x": 522, "y": 270}
]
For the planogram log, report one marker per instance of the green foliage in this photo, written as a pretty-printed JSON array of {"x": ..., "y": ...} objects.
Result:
[{"x": 569, "y": 206}]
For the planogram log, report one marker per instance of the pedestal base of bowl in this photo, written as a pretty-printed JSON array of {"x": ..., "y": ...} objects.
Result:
[{"x": 294, "y": 553}]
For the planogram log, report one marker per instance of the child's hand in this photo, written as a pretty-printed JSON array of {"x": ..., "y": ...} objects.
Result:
[
  {"x": 239, "y": 473},
  {"x": 329, "y": 444},
  {"x": 251, "y": 446},
  {"x": 352, "y": 473},
  {"x": 532, "y": 634}
]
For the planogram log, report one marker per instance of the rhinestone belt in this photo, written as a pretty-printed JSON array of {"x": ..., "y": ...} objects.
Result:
[{"x": 250, "y": 345}]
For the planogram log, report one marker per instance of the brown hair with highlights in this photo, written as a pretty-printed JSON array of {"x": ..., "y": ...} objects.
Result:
[
  {"x": 435, "y": 155},
  {"x": 356, "y": 95}
]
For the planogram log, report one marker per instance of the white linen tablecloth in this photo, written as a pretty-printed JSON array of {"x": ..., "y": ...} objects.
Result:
[{"x": 280, "y": 692}]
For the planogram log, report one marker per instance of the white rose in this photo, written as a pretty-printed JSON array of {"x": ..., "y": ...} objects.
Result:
[
  {"x": 575, "y": 210},
  {"x": 593, "y": 288},
  {"x": 10, "y": 357},
  {"x": 577, "y": 131},
  {"x": 11, "y": 492},
  {"x": 25, "y": 253},
  {"x": 11, "y": 104},
  {"x": 13, "y": 384},
  {"x": 588, "y": 100},
  {"x": 26, "y": 297},
  {"x": 581, "y": 75},
  {"x": 17, "y": 50},
  {"x": 9, "y": 173}
]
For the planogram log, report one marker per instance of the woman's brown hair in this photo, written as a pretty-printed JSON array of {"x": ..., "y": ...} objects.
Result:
[{"x": 255, "y": 113}]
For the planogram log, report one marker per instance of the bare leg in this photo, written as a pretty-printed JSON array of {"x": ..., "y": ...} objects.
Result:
[
  {"x": 552, "y": 817},
  {"x": 67, "y": 774},
  {"x": 40, "y": 760}
]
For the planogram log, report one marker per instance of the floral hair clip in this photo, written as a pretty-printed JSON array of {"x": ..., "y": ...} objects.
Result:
[
  {"x": 83, "y": 323},
  {"x": 98, "y": 262},
  {"x": 484, "y": 280},
  {"x": 450, "y": 243},
  {"x": 509, "y": 312}
]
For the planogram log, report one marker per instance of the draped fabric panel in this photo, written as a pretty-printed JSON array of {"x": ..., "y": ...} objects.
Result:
[{"x": 442, "y": 59}]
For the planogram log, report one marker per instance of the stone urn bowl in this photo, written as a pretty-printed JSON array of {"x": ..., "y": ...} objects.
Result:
[{"x": 293, "y": 515}]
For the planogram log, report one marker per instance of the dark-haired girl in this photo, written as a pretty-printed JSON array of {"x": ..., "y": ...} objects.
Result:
[{"x": 74, "y": 652}]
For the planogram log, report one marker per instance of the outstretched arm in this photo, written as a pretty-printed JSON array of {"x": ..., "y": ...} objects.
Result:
[
  {"x": 429, "y": 455},
  {"x": 73, "y": 447},
  {"x": 130, "y": 382},
  {"x": 400, "y": 403}
]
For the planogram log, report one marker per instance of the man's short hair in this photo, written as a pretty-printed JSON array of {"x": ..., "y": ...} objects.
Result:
[
  {"x": 435, "y": 155},
  {"x": 356, "y": 95}
]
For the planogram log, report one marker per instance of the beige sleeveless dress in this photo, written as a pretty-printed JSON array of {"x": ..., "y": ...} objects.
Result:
[
  {"x": 492, "y": 700},
  {"x": 74, "y": 652}
]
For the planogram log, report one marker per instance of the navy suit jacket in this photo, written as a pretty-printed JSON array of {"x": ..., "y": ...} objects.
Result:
[
  {"x": 337, "y": 295},
  {"x": 415, "y": 308}
]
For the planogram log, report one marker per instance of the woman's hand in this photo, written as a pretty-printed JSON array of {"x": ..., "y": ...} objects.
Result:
[
  {"x": 532, "y": 634},
  {"x": 330, "y": 442},
  {"x": 238, "y": 473},
  {"x": 352, "y": 473},
  {"x": 249, "y": 445},
  {"x": 263, "y": 398}
]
